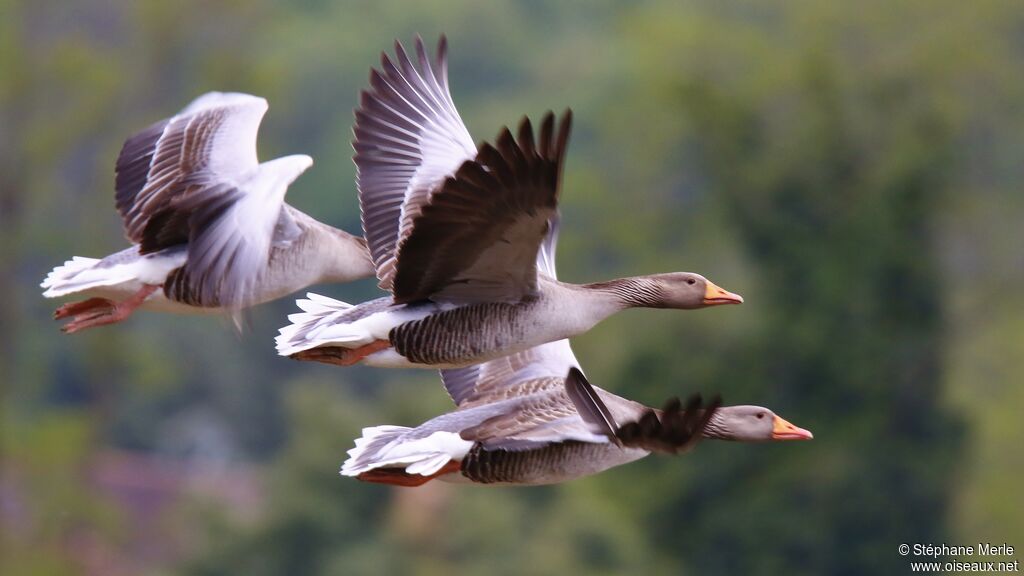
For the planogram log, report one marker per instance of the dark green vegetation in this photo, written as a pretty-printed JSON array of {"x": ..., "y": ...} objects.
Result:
[{"x": 853, "y": 171}]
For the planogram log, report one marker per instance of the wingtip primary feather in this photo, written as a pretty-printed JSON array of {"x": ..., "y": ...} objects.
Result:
[
  {"x": 589, "y": 405},
  {"x": 564, "y": 128}
]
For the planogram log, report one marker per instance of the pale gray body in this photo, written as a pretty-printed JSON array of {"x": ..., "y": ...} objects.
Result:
[{"x": 474, "y": 333}]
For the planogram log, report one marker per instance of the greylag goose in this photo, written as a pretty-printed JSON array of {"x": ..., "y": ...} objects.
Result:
[
  {"x": 532, "y": 418},
  {"x": 454, "y": 233},
  {"x": 208, "y": 223}
]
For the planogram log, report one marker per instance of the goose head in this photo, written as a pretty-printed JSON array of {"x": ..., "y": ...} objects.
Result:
[
  {"x": 686, "y": 291},
  {"x": 752, "y": 424}
]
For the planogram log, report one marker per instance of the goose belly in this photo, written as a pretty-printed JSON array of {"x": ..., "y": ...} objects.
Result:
[
  {"x": 473, "y": 333},
  {"x": 548, "y": 465}
]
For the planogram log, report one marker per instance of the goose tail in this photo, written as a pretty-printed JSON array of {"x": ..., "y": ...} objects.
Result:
[
  {"x": 77, "y": 275},
  {"x": 318, "y": 312},
  {"x": 397, "y": 447},
  {"x": 323, "y": 321}
]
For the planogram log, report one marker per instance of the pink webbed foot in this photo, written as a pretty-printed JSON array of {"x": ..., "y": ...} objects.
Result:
[
  {"x": 100, "y": 311},
  {"x": 341, "y": 356},
  {"x": 81, "y": 307}
]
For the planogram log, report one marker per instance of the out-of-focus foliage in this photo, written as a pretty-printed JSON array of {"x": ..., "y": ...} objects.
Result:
[{"x": 852, "y": 169}]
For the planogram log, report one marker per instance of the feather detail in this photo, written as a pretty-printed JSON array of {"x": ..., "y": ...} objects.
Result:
[{"x": 589, "y": 405}]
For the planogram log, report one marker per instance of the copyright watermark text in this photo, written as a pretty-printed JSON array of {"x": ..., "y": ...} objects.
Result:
[{"x": 981, "y": 557}]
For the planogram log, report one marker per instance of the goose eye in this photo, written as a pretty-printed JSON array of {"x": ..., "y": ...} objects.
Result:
[
  {"x": 760, "y": 415},
  {"x": 691, "y": 281}
]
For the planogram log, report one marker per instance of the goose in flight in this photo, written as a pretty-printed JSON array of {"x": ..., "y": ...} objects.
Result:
[
  {"x": 454, "y": 233},
  {"x": 533, "y": 418},
  {"x": 208, "y": 224}
]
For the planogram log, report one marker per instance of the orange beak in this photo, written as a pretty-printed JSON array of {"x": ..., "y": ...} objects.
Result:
[
  {"x": 713, "y": 295},
  {"x": 783, "y": 430}
]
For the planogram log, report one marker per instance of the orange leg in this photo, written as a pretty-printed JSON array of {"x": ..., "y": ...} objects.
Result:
[
  {"x": 80, "y": 307},
  {"x": 399, "y": 477},
  {"x": 102, "y": 312},
  {"x": 341, "y": 356}
]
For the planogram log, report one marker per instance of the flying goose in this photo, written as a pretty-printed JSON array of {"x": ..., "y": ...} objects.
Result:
[
  {"x": 454, "y": 234},
  {"x": 208, "y": 223},
  {"x": 532, "y": 418}
]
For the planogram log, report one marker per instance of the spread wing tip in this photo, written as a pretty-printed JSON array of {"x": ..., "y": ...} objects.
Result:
[{"x": 674, "y": 429}]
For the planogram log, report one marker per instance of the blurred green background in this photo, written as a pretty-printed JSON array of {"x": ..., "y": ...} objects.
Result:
[{"x": 851, "y": 168}]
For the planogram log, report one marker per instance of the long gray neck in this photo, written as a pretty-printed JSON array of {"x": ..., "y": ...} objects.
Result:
[
  {"x": 340, "y": 256},
  {"x": 633, "y": 292},
  {"x": 716, "y": 430},
  {"x": 347, "y": 257}
]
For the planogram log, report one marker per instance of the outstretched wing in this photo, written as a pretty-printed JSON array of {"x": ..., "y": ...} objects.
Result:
[
  {"x": 478, "y": 237},
  {"x": 408, "y": 139},
  {"x": 213, "y": 140}
]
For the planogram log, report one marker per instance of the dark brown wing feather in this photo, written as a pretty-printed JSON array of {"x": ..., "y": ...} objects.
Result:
[
  {"x": 133, "y": 163},
  {"x": 589, "y": 404},
  {"x": 672, "y": 430},
  {"x": 478, "y": 237}
]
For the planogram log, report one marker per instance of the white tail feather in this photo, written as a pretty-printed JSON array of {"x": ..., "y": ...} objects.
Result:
[
  {"x": 316, "y": 326},
  {"x": 391, "y": 447},
  {"x": 317, "y": 304},
  {"x": 79, "y": 274},
  {"x": 428, "y": 465}
]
